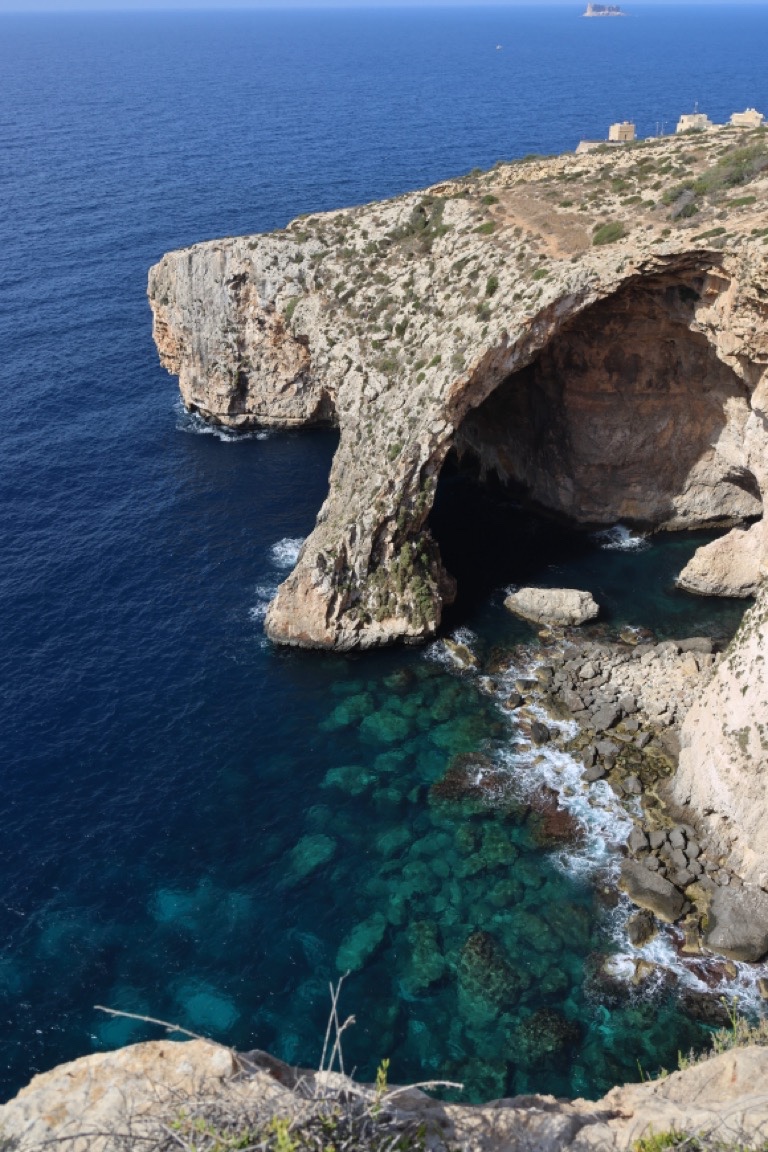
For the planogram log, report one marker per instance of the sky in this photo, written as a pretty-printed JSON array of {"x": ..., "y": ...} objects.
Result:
[{"x": 213, "y": 5}]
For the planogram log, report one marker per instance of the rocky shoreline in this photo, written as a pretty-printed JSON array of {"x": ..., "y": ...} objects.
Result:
[{"x": 616, "y": 702}]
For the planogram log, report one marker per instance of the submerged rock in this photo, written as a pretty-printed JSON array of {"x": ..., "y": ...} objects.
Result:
[
  {"x": 428, "y": 963},
  {"x": 545, "y": 1033},
  {"x": 553, "y": 605},
  {"x": 361, "y": 943},
  {"x": 309, "y": 854},
  {"x": 487, "y": 980},
  {"x": 553, "y": 826}
]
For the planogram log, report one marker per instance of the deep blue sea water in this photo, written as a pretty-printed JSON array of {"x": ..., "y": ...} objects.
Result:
[{"x": 194, "y": 822}]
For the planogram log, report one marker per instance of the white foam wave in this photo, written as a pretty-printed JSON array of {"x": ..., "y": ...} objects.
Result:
[
  {"x": 464, "y": 636},
  {"x": 699, "y": 973},
  {"x": 619, "y": 538},
  {"x": 439, "y": 653},
  {"x": 193, "y": 424},
  {"x": 606, "y": 824},
  {"x": 285, "y": 552},
  {"x": 264, "y": 594}
]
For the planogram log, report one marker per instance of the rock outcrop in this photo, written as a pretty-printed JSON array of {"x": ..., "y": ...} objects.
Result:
[
  {"x": 557, "y": 606},
  {"x": 583, "y": 326},
  {"x": 732, "y": 565},
  {"x": 148, "y": 1091}
]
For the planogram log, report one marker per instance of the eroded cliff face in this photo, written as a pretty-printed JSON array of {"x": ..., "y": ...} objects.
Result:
[
  {"x": 723, "y": 768},
  {"x": 624, "y": 380}
]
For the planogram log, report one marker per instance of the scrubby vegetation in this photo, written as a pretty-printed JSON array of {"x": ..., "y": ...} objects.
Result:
[
  {"x": 734, "y": 168},
  {"x": 608, "y": 233},
  {"x": 740, "y": 1034}
]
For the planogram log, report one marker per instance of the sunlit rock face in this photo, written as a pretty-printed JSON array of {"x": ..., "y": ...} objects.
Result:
[{"x": 620, "y": 380}]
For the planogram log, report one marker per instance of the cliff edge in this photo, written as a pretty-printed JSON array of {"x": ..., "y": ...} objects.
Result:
[{"x": 170, "y": 1095}]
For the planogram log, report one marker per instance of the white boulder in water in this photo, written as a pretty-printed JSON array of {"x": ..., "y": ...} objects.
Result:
[{"x": 553, "y": 605}]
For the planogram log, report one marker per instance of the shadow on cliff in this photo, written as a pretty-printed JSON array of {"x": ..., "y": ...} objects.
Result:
[
  {"x": 618, "y": 418},
  {"x": 488, "y": 538},
  {"x": 620, "y": 415}
]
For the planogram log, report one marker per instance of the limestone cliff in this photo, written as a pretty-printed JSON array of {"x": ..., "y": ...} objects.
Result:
[
  {"x": 167, "y": 1095},
  {"x": 724, "y": 754},
  {"x": 591, "y": 327}
]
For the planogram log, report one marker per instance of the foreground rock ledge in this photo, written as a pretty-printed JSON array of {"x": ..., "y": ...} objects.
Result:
[
  {"x": 623, "y": 381},
  {"x": 86, "y": 1106}
]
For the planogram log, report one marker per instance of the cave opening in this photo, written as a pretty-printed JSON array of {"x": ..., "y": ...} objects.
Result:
[{"x": 626, "y": 416}]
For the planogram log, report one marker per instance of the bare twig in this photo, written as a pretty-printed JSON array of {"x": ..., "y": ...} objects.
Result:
[{"x": 161, "y": 1023}]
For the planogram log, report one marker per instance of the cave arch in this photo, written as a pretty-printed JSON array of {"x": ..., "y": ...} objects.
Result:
[{"x": 627, "y": 413}]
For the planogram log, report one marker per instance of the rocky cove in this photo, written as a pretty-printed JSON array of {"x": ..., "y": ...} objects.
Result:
[
  {"x": 601, "y": 371},
  {"x": 488, "y": 324}
]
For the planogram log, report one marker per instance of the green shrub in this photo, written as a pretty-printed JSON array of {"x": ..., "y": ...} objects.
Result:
[
  {"x": 608, "y": 233},
  {"x": 658, "y": 1142},
  {"x": 489, "y": 198},
  {"x": 486, "y": 229},
  {"x": 491, "y": 285},
  {"x": 424, "y": 225}
]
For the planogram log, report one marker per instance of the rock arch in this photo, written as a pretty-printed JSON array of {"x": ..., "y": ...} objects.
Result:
[{"x": 630, "y": 385}]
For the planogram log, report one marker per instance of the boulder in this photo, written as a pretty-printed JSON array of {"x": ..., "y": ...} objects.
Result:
[
  {"x": 638, "y": 841},
  {"x": 737, "y": 923},
  {"x": 729, "y": 566},
  {"x": 649, "y": 890},
  {"x": 701, "y": 644},
  {"x": 605, "y": 717},
  {"x": 540, "y": 734},
  {"x": 641, "y": 927},
  {"x": 553, "y": 605}
]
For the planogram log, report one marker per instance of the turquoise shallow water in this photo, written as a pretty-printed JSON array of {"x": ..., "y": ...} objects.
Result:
[{"x": 168, "y": 778}]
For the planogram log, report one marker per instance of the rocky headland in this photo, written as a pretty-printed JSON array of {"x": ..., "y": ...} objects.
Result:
[{"x": 588, "y": 328}]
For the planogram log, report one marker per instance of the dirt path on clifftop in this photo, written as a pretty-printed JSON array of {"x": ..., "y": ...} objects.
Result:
[{"x": 559, "y": 235}]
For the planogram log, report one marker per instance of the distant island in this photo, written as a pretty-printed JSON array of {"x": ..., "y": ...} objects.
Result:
[{"x": 603, "y": 10}]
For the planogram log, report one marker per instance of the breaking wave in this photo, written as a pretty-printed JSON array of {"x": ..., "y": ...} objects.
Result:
[
  {"x": 619, "y": 538},
  {"x": 285, "y": 552},
  {"x": 193, "y": 424},
  {"x": 264, "y": 594}
]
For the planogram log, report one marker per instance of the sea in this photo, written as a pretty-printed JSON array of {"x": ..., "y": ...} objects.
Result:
[{"x": 198, "y": 826}]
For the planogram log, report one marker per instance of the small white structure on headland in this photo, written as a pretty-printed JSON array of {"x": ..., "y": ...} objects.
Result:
[
  {"x": 694, "y": 122},
  {"x": 623, "y": 133},
  {"x": 749, "y": 119}
]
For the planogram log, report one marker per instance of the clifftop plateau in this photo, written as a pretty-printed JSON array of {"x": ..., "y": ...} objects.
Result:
[{"x": 590, "y": 328}]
